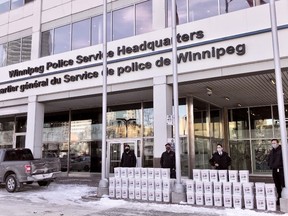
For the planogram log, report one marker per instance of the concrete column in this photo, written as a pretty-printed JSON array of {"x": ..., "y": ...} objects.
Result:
[
  {"x": 36, "y": 30},
  {"x": 162, "y": 105},
  {"x": 159, "y": 14},
  {"x": 35, "y": 123}
]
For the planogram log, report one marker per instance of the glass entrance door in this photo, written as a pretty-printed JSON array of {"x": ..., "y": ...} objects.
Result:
[{"x": 115, "y": 150}]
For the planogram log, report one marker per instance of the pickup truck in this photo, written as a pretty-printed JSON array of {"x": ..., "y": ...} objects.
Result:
[{"x": 18, "y": 166}]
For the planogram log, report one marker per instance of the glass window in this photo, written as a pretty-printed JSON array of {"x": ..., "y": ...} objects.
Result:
[
  {"x": 143, "y": 17},
  {"x": 6, "y": 132},
  {"x": 27, "y": 1},
  {"x": 181, "y": 12},
  {"x": 230, "y": 6},
  {"x": 26, "y": 48},
  {"x": 260, "y": 151},
  {"x": 123, "y": 23},
  {"x": 215, "y": 124},
  {"x": 3, "y": 54},
  {"x": 81, "y": 34},
  {"x": 97, "y": 26},
  {"x": 4, "y": 6},
  {"x": 16, "y": 4},
  {"x": 14, "y": 52},
  {"x": 261, "y": 122},
  {"x": 148, "y": 120},
  {"x": 201, "y": 9},
  {"x": 21, "y": 124},
  {"x": 46, "y": 43},
  {"x": 238, "y": 124},
  {"x": 148, "y": 155},
  {"x": 276, "y": 122},
  {"x": 240, "y": 154},
  {"x": 62, "y": 37}
]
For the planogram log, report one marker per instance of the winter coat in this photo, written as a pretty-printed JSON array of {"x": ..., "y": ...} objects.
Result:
[
  {"x": 128, "y": 159},
  {"x": 274, "y": 159},
  {"x": 168, "y": 160},
  {"x": 223, "y": 160}
]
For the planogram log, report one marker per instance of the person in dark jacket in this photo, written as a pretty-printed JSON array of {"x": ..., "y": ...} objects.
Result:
[
  {"x": 275, "y": 162},
  {"x": 220, "y": 159},
  {"x": 168, "y": 160},
  {"x": 128, "y": 158}
]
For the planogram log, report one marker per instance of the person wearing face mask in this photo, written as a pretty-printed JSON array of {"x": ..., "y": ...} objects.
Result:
[
  {"x": 128, "y": 158},
  {"x": 220, "y": 159},
  {"x": 275, "y": 162},
  {"x": 167, "y": 160}
]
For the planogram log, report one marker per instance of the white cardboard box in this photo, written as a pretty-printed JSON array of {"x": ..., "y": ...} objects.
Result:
[
  {"x": 165, "y": 173},
  {"x": 151, "y": 184},
  {"x": 125, "y": 182},
  {"x": 144, "y": 194},
  {"x": 191, "y": 198},
  {"x": 199, "y": 187},
  {"x": 270, "y": 190},
  {"x": 166, "y": 184},
  {"x": 112, "y": 182},
  {"x": 223, "y": 175},
  {"x": 158, "y": 196},
  {"x": 208, "y": 199},
  {"x": 233, "y": 175},
  {"x": 144, "y": 183},
  {"x": 237, "y": 201},
  {"x": 261, "y": 202},
  {"x": 125, "y": 193},
  {"x": 227, "y": 188},
  {"x": 112, "y": 192},
  {"x": 158, "y": 184},
  {"x": 213, "y": 175},
  {"x": 124, "y": 172},
  {"x": 199, "y": 197},
  {"x": 166, "y": 196},
  {"x": 196, "y": 174},
  {"x": 218, "y": 199},
  {"x": 205, "y": 175},
  {"x": 131, "y": 192},
  {"x": 144, "y": 173},
  {"x": 237, "y": 188},
  {"x": 248, "y": 188},
  {"x": 260, "y": 189},
  {"x": 118, "y": 193},
  {"x": 271, "y": 203},
  {"x": 190, "y": 186},
  {"x": 217, "y": 187},
  {"x": 131, "y": 172},
  {"x": 131, "y": 183},
  {"x": 158, "y": 173},
  {"x": 118, "y": 182},
  {"x": 227, "y": 200},
  {"x": 137, "y": 193},
  {"x": 208, "y": 187},
  {"x": 244, "y": 175},
  {"x": 151, "y": 195},
  {"x": 137, "y": 183},
  {"x": 150, "y": 173},
  {"x": 249, "y": 202},
  {"x": 117, "y": 172},
  {"x": 137, "y": 172}
]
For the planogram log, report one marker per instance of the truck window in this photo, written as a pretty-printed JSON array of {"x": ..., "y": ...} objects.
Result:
[{"x": 18, "y": 155}]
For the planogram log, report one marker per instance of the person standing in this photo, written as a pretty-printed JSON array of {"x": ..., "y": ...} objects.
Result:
[
  {"x": 128, "y": 158},
  {"x": 220, "y": 159},
  {"x": 275, "y": 162},
  {"x": 168, "y": 160}
]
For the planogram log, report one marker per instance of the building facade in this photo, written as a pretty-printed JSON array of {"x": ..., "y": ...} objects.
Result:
[{"x": 51, "y": 80}]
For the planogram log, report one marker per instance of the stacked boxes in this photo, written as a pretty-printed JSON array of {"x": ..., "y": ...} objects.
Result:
[
  {"x": 270, "y": 191},
  {"x": 141, "y": 184}
]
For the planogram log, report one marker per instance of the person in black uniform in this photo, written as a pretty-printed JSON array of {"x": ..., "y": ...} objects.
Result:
[
  {"x": 128, "y": 158},
  {"x": 168, "y": 160},
  {"x": 220, "y": 159},
  {"x": 275, "y": 162}
]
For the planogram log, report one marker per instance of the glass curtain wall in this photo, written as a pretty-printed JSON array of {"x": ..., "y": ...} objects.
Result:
[
  {"x": 6, "y": 132},
  {"x": 148, "y": 134}
]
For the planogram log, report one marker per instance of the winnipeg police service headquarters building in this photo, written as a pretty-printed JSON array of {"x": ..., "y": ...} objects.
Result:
[{"x": 51, "y": 63}]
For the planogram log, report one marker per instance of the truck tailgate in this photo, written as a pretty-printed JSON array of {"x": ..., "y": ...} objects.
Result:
[{"x": 45, "y": 165}]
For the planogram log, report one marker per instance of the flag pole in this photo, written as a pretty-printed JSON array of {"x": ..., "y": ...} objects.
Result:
[{"x": 103, "y": 184}]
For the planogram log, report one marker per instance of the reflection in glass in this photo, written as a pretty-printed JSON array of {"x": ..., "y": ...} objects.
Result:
[
  {"x": 21, "y": 124},
  {"x": 148, "y": 122},
  {"x": 123, "y": 23},
  {"x": 14, "y": 52},
  {"x": 16, "y": 3},
  {"x": 46, "y": 43},
  {"x": 3, "y": 54},
  {"x": 203, "y": 153},
  {"x": 261, "y": 122},
  {"x": 148, "y": 148},
  {"x": 240, "y": 155},
  {"x": 215, "y": 124},
  {"x": 115, "y": 156},
  {"x": 238, "y": 123},
  {"x": 227, "y": 6},
  {"x": 80, "y": 156},
  {"x": 81, "y": 34},
  {"x": 201, "y": 9},
  {"x": 6, "y": 132},
  {"x": 184, "y": 156},
  {"x": 181, "y": 12},
  {"x": 97, "y": 26},
  {"x": 276, "y": 122},
  {"x": 144, "y": 17},
  {"x": 26, "y": 48},
  {"x": 260, "y": 151},
  {"x": 4, "y": 6},
  {"x": 62, "y": 39},
  {"x": 183, "y": 121}
]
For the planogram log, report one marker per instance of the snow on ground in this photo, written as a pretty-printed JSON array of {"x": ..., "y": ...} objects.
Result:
[{"x": 70, "y": 195}]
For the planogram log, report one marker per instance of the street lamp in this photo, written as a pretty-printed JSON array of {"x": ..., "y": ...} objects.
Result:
[{"x": 126, "y": 122}]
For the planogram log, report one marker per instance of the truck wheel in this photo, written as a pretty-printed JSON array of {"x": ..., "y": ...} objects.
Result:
[
  {"x": 44, "y": 183},
  {"x": 11, "y": 183}
]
